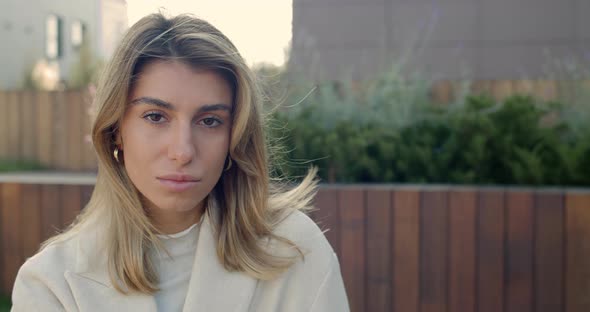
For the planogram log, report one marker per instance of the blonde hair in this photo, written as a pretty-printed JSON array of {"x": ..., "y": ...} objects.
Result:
[{"x": 249, "y": 206}]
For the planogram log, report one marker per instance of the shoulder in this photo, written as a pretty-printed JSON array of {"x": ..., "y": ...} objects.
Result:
[
  {"x": 297, "y": 224},
  {"x": 41, "y": 281},
  {"x": 76, "y": 250},
  {"x": 313, "y": 282},
  {"x": 54, "y": 258},
  {"x": 318, "y": 255},
  {"x": 305, "y": 233}
]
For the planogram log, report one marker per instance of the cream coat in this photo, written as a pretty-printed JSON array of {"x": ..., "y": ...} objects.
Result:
[{"x": 72, "y": 276}]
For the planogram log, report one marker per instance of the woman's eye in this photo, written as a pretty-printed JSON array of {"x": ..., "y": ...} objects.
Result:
[
  {"x": 210, "y": 122},
  {"x": 154, "y": 117}
]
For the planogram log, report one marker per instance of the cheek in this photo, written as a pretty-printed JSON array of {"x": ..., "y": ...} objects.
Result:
[
  {"x": 213, "y": 150},
  {"x": 138, "y": 151},
  {"x": 132, "y": 150},
  {"x": 140, "y": 141}
]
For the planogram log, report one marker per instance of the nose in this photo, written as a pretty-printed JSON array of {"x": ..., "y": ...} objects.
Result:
[{"x": 182, "y": 148}]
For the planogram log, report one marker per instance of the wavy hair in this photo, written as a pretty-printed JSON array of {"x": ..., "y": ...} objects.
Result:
[{"x": 247, "y": 206}]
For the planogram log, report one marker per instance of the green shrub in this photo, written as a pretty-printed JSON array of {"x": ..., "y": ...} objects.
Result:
[
  {"x": 9, "y": 165},
  {"x": 517, "y": 142},
  {"x": 5, "y": 304}
]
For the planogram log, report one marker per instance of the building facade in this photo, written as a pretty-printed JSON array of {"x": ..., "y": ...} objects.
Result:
[
  {"x": 45, "y": 37},
  {"x": 446, "y": 39}
]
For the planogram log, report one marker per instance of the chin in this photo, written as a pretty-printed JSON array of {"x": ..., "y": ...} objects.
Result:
[{"x": 176, "y": 204}]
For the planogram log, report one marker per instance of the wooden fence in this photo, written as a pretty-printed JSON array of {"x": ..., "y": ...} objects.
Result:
[
  {"x": 460, "y": 249},
  {"x": 547, "y": 90},
  {"x": 50, "y": 128},
  {"x": 401, "y": 248}
]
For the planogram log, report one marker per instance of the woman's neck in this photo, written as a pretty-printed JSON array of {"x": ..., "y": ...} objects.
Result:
[{"x": 171, "y": 222}]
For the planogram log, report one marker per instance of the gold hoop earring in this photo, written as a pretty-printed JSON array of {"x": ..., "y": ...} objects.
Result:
[
  {"x": 228, "y": 164},
  {"x": 116, "y": 154}
]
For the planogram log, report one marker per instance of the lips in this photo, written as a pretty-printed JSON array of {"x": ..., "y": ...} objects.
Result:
[{"x": 178, "y": 182}]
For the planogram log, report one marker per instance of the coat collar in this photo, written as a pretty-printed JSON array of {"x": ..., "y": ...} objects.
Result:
[{"x": 211, "y": 287}]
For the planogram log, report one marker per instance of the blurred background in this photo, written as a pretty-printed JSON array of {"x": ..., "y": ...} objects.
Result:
[{"x": 452, "y": 137}]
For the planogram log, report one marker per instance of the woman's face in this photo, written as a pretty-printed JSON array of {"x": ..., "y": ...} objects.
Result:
[{"x": 175, "y": 135}]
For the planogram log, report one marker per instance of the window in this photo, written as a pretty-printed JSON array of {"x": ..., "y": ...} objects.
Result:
[
  {"x": 53, "y": 42},
  {"x": 78, "y": 32}
]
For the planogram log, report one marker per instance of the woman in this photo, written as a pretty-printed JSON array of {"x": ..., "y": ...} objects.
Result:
[{"x": 183, "y": 215}]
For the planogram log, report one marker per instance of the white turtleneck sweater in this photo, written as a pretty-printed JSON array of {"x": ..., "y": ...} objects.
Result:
[{"x": 175, "y": 270}]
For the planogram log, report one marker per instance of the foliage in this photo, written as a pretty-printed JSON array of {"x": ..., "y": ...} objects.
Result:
[
  {"x": 5, "y": 304},
  {"x": 10, "y": 165},
  {"x": 85, "y": 71},
  {"x": 29, "y": 81},
  {"x": 390, "y": 132}
]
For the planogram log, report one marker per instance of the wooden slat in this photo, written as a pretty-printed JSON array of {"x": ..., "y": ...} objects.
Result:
[
  {"x": 31, "y": 212},
  {"x": 379, "y": 215},
  {"x": 524, "y": 87},
  {"x": 14, "y": 126},
  {"x": 28, "y": 125},
  {"x": 11, "y": 238},
  {"x": 502, "y": 89},
  {"x": 549, "y": 250},
  {"x": 88, "y": 157},
  {"x": 433, "y": 251},
  {"x": 546, "y": 90},
  {"x": 60, "y": 131},
  {"x": 490, "y": 285},
  {"x": 462, "y": 254},
  {"x": 2, "y": 252},
  {"x": 50, "y": 210},
  {"x": 45, "y": 136},
  {"x": 519, "y": 264},
  {"x": 327, "y": 216},
  {"x": 74, "y": 136},
  {"x": 577, "y": 253},
  {"x": 86, "y": 193},
  {"x": 442, "y": 91},
  {"x": 70, "y": 207},
  {"x": 4, "y": 126},
  {"x": 406, "y": 251},
  {"x": 482, "y": 87},
  {"x": 353, "y": 218}
]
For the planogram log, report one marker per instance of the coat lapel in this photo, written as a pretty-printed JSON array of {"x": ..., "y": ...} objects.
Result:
[
  {"x": 93, "y": 296},
  {"x": 212, "y": 287},
  {"x": 91, "y": 285}
]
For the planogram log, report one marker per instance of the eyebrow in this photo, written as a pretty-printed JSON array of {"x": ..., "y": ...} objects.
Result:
[{"x": 166, "y": 105}]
